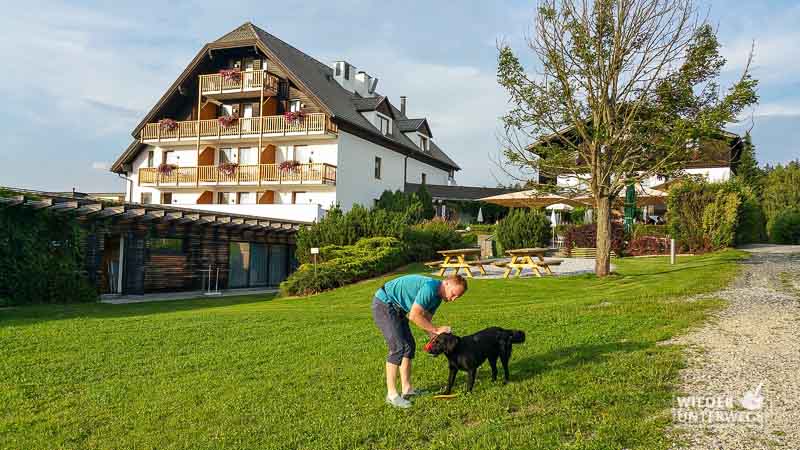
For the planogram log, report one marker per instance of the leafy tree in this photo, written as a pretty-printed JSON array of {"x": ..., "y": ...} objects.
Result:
[
  {"x": 747, "y": 169},
  {"x": 626, "y": 89},
  {"x": 781, "y": 190}
]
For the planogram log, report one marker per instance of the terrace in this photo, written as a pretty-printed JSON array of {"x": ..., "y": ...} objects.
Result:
[
  {"x": 245, "y": 175},
  {"x": 211, "y": 130}
]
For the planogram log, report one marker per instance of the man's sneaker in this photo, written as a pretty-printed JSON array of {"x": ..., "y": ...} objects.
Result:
[
  {"x": 412, "y": 393},
  {"x": 398, "y": 402}
]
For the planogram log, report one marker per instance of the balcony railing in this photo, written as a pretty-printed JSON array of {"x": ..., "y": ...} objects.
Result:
[
  {"x": 249, "y": 175},
  {"x": 246, "y": 127},
  {"x": 248, "y": 81}
]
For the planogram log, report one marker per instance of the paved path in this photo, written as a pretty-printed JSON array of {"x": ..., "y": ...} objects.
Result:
[
  {"x": 754, "y": 340},
  {"x": 169, "y": 296}
]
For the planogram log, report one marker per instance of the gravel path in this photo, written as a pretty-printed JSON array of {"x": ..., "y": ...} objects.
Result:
[{"x": 754, "y": 340}]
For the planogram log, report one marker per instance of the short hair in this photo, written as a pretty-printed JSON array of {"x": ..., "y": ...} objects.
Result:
[{"x": 459, "y": 280}]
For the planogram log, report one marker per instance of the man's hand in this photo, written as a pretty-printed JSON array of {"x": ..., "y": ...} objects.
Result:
[
  {"x": 422, "y": 319},
  {"x": 441, "y": 330}
]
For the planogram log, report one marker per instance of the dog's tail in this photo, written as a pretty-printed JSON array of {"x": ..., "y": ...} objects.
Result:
[{"x": 517, "y": 336}]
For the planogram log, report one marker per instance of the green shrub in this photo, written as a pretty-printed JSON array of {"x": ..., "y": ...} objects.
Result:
[
  {"x": 752, "y": 224},
  {"x": 720, "y": 218},
  {"x": 343, "y": 265},
  {"x": 785, "y": 229},
  {"x": 338, "y": 228},
  {"x": 706, "y": 216},
  {"x": 422, "y": 241},
  {"x": 642, "y": 230},
  {"x": 41, "y": 259},
  {"x": 523, "y": 228}
]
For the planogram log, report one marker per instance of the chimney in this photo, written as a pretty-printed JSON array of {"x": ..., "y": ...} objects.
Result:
[{"x": 403, "y": 105}]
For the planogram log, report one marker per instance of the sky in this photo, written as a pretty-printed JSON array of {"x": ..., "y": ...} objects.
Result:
[{"x": 78, "y": 76}]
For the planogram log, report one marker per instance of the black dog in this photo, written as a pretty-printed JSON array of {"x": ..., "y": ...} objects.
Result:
[{"x": 469, "y": 352}]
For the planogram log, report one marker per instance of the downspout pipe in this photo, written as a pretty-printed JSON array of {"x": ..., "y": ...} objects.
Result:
[{"x": 129, "y": 188}]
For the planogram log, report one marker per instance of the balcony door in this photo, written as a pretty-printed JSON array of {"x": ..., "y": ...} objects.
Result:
[{"x": 248, "y": 156}]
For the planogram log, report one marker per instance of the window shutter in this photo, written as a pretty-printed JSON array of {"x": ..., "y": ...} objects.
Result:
[
  {"x": 256, "y": 109},
  {"x": 256, "y": 64}
]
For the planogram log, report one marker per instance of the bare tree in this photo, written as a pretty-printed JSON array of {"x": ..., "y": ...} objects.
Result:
[{"x": 626, "y": 90}]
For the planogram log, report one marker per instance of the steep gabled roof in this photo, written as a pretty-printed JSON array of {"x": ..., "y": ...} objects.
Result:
[{"x": 313, "y": 77}]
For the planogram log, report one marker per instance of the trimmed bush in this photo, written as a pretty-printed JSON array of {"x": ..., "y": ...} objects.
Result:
[
  {"x": 343, "y": 265},
  {"x": 785, "y": 229},
  {"x": 523, "y": 228}
]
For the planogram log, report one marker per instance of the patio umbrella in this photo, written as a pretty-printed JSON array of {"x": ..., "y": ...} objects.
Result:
[
  {"x": 531, "y": 199},
  {"x": 480, "y": 215}
]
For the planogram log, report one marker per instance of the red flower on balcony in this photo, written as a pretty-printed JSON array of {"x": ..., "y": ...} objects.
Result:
[
  {"x": 294, "y": 117},
  {"x": 289, "y": 165},
  {"x": 167, "y": 124},
  {"x": 166, "y": 169},
  {"x": 226, "y": 121},
  {"x": 231, "y": 75},
  {"x": 228, "y": 169}
]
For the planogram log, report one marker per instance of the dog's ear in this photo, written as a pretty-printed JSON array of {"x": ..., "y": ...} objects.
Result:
[{"x": 450, "y": 343}]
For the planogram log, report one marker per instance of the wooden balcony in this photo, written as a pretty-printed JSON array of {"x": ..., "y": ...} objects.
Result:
[
  {"x": 243, "y": 175},
  {"x": 248, "y": 82},
  {"x": 210, "y": 130}
]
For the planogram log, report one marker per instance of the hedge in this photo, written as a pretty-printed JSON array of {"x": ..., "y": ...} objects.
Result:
[
  {"x": 41, "y": 258},
  {"x": 648, "y": 245},
  {"x": 643, "y": 230},
  {"x": 586, "y": 236},
  {"x": 343, "y": 265},
  {"x": 785, "y": 228}
]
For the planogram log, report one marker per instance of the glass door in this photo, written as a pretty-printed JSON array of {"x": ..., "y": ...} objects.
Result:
[
  {"x": 259, "y": 268},
  {"x": 278, "y": 259},
  {"x": 239, "y": 264}
]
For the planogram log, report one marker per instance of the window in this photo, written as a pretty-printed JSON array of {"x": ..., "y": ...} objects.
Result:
[
  {"x": 294, "y": 105},
  {"x": 151, "y": 156},
  {"x": 377, "y": 168},
  {"x": 226, "y": 198},
  {"x": 247, "y": 198},
  {"x": 147, "y": 198},
  {"x": 384, "y": 125},
  {"x": 424, "y": 178},
  {"x": 166, "y": 198},
  {"x": 227, "y": 155},
  {"x": 170, "y": 157},
  {"x": 423, "y": 142}
]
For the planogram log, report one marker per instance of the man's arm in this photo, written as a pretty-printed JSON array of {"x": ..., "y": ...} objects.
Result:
[{"x": 422, "y": 319}]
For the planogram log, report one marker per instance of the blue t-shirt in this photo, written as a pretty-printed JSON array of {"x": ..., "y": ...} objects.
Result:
[{"x": 409, "y": 289}]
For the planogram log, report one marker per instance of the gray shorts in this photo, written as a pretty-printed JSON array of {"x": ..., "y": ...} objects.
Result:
[{"x": 393, "y": 323}]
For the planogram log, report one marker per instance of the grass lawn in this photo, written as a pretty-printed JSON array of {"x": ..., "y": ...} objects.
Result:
[{"x": 255, "y": 372}]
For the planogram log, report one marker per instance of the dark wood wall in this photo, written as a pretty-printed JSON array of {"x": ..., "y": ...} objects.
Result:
[{"x": 150, "y": 270}]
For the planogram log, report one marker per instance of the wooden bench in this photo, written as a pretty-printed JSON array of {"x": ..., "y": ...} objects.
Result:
[
  {"x": 500, "y": 263},
  {"x": 552, "y": 261},
  {"x": 433, "y": 264}
]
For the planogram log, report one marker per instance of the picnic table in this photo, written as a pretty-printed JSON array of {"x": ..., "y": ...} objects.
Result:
[
  {"x": 461, "y": 256},
  {"x": 528, "y": 258}
]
